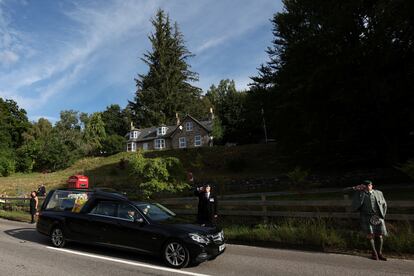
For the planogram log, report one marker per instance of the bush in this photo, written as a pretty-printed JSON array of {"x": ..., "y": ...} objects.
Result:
[
  {"x": 158, "y": 174},
  {"x": 298, "y": 176},
  {"x": 7, "y": 166}
]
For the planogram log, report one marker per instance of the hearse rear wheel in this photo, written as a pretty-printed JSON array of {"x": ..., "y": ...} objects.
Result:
[{"x": 57, "y": 237}]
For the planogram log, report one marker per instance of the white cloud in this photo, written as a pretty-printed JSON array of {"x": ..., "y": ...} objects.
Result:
[
  {"x": 98, "y": 37},
  {"x": 98, "y": 28},
  {"x": 8, "y": 57}
]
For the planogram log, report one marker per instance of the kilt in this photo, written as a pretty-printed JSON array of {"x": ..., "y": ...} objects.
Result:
[{"x": 368, "y": 228}]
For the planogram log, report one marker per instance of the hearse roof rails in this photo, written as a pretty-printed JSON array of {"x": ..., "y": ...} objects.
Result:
[{"x": 109, "y": 191}]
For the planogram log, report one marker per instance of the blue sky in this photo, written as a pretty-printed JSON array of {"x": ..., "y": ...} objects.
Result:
[{"x": 84, "y": 55}]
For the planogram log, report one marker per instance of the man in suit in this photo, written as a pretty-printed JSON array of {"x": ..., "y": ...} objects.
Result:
[
  {"x": 372, "y": 207},
  {"x": 207, "y": 206}
]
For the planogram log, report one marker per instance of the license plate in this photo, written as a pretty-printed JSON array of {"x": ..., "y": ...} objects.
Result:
[{"x": 221, "y": 247}]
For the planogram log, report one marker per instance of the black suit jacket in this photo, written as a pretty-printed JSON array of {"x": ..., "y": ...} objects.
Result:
[{"x": 207, "y": 207}]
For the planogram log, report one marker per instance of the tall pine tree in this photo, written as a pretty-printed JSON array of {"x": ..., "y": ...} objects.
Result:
[
  {"x": 166, "y": 88},
  {"x": 338, "y": 83}
]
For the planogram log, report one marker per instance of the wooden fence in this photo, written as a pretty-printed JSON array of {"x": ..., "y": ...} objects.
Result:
[
  {"x": 264, "y": 204},
  {"x": 190, "y": 207},
  {"x": 17, "y": 203}
]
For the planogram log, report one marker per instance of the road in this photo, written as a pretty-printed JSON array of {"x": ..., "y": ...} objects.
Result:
[{"x": 25, "y": 252}]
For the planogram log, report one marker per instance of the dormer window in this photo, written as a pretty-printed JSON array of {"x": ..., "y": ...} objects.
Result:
[
  {"x": 189, "y": 126},
  {"x": 134, "y": 134},
  {"x": 161, "y": 131}
]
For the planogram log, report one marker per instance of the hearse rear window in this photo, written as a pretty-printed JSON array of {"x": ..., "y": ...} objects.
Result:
[{"x": 62, "y": 200}]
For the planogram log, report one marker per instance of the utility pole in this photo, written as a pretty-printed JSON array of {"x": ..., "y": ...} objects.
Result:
[{"x": 264, "y": 125}]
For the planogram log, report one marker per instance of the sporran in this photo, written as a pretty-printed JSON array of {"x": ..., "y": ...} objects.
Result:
[{"x": 375, "y": 220}]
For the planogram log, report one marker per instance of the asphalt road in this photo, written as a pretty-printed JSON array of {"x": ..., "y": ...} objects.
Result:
[{"x": 25, "y": 252}]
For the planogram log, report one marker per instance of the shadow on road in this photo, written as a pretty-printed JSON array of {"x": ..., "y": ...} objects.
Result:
[
  {"x": 28, "y": 234},
  {"x": 31, "y": 235}
]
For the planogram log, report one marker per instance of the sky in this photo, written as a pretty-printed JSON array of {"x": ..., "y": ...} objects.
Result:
[{"x": 84, "y": 55}]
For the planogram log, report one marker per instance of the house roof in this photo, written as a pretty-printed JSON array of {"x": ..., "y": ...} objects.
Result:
[{"x": 150, "y": 133}]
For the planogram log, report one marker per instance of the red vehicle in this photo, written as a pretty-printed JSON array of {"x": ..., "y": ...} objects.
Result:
[{"x": 78, "y": 182}]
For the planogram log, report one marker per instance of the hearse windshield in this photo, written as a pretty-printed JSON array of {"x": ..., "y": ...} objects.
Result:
[{"x": 155, "y": 211}]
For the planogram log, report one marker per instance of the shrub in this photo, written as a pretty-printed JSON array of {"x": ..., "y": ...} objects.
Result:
[
  {"x": 298, "y": 176},
  {"x": 7, "y": 166},
  {"x": 158, "y": 174}
]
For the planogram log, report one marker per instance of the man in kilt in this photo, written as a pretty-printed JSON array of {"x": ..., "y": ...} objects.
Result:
[{"x": 372, "y": 207}]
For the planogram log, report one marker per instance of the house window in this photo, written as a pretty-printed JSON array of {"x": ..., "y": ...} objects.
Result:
[
  {"x": 145, "y": 146},
  {"x": 161, "y": 131},
  {"x": 131, "y": 147},
  {"x": 189, "y": 126},
  {"x": 159, "y": 143},
  {"x": 133, "y": 134},
  {"x": 197, "y": 140},
  {"x": 182, "y": 142}
]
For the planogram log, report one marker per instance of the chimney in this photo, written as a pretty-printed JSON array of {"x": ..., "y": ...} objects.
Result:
[
  {"x": 211, "y": 116},
  {"x": 132, "y": 125},
  {"x": 177, "y": 118}
]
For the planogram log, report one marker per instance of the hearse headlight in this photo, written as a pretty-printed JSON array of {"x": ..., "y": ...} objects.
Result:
[{"x": 199, "y": 238}]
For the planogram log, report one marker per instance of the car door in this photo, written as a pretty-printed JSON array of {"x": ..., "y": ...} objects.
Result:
[
  {"x": 103, "y": 222},
  {"x": 135, "y": 231}
]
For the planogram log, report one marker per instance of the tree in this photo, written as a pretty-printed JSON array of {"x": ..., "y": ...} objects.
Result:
[
  {"x": 13, "y": 122},
  {"x": 113, "y": 144},
  {"x": 338, "y": 79},
  {"x": 36, "y": 139},
  {"x": 94, "y": 134},
  {"x": 116, "y": 121},
  {"x": 165, "y": 89},
  {"x": 46, "y": 149},
  {"x": 229, "y": 107}
]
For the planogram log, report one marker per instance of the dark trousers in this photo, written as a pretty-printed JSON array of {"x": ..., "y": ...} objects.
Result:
[{"x": 33, "y": 217}]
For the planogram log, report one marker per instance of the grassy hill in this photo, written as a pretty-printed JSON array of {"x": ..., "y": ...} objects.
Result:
[
  {"x": 247, "y": 168},
  {"x": 219, "y": 164}
]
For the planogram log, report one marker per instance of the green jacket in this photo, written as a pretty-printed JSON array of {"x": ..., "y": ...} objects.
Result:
[{"x": 358, "y": 200}]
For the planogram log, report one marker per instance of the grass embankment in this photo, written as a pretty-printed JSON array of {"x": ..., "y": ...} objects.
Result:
[
  {"x": 101, "y": 171},
  {"x": 217, "y": 163},
  {"x": 15, "y": 215},
  {"x": 321, "y": 235}
]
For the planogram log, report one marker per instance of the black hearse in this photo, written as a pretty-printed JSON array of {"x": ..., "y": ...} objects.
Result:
[{"x": 110, "y": 219}]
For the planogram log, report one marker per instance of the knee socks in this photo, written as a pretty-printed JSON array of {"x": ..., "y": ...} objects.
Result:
[
  {"x": 372, "y": 243},
  {"x": 381, "y": 242}
]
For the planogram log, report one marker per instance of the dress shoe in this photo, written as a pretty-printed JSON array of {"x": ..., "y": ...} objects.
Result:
[{"x": 381, "y": 257}]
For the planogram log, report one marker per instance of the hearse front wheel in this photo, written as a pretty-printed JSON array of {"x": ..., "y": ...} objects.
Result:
[{"x": 176, "y": 255}]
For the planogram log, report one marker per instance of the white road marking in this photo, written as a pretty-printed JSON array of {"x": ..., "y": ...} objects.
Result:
[{"x": 127, "y": 262}]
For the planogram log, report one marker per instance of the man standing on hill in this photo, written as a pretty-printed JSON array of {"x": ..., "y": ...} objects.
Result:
[
  {"x": 207, "y": 206},
  {"x": 372, "y": 207}
]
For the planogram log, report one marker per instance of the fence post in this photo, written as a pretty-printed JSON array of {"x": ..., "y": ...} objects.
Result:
[
  {"x": 347, "y": 208},
  {"x": 264, "y": 209}
]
